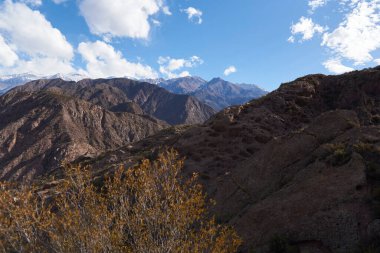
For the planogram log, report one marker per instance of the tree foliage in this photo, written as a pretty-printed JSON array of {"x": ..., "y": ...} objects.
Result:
[{"x": 149, "y": 208}]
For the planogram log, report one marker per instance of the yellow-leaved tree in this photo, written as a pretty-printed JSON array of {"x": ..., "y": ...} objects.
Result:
[{"x": 148, "y": 208}]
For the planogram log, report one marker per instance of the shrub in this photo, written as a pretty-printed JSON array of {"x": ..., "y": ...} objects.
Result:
[
  {"x": 149, "y": 208},
  {"x": 340, "y": 154}
]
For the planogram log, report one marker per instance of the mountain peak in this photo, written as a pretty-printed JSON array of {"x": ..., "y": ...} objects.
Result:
[{"x": 217, "y": 79}]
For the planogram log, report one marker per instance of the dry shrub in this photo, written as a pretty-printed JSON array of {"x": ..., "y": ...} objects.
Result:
[{"x": 149, "y": 208}]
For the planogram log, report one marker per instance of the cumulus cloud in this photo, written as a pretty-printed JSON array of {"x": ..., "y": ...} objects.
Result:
[
  {"x": 315, "y": 4},
  {"x": 7, "y": 56},
  {"x": 171, "y": 68},
  {"x": 30, "y": 35},
  {"x": 42, "y": 66},
  {"x": 194, "y": 15},
  {"x": 120, "y": 18},
  {"x": 228, "y": 71},
  {"x": 305, "y": 27},
  {"x": 358, "y": 35},
  {"x": 336, "y": 66},
  {"x": 355, "y": 39},
  {"x": 102, "y": 60}
]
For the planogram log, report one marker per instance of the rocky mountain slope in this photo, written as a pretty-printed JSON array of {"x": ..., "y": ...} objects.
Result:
[
  {"x": 119, "y": 94},
  {"x": 182, "y": 85},
  {"x": 48, "y": 121},
  {"x": 301, "y": 164},
  {"x": 40, "y": 130},
  {"x": 216, "y": 93},
  {"x": 220, "y": 94}
]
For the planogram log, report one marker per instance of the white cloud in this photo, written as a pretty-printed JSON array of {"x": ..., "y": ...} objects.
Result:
[
  {"x": 156, "y": 22},
  {"x": 291, "y": 39},
  {"x": 36, "y": 3},
  {"x": 166, "y": 10},
  {"x": 40, "y": 48},
  {"x": 31, "y": 32},
  {"x": 358, "y": 35},
  {"x": 305, "y": 27},
  {"x": 355, "y": 39},
  {"x": 7, "y": 56},
  {"x": 42, "y": 66},
  {"x": 194, "y": 15},
  {"x": 119, "y": 18},
  {"x": 102, "y": 60},
  {"x": 336, "y": 66},
  {"x": 228, "y": 71},
  {"x": 171, "y": 67},
  {"x": 315, "y": 4}
]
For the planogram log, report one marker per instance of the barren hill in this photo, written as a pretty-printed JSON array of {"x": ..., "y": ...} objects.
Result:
[
  {"x": 40, "y": 130},
  {"x": 114, "y": 94},
  {"x": 301, "y": 163}
]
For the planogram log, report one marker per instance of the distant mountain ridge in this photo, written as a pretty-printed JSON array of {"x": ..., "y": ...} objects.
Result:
[
  {"x": 220, "y": 94},
  {"x": 118, "y": 94},
  {"x": 47, "y": 121},
  {"x": 8, "y": 82},
  {"x": 183, "y": 85},
  {"x": 217, "y": 93}
]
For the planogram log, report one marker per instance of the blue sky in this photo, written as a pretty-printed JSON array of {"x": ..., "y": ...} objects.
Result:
[{"x": 246, "y": 41}]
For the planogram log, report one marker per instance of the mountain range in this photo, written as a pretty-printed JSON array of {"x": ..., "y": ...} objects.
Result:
[
  {"x": 216, "y": 93},
  {"x": 298, "y": 167},
  {"x": 10, "y": 81},
  {"x": 45, "y": 122}
]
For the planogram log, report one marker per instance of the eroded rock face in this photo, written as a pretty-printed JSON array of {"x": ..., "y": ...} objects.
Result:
[
  {"x": 47, "y": 122},
  {"x": 301, "y": 163},
  {"x": 124, "y": 95},
  {"x": 40, "y": 130}
]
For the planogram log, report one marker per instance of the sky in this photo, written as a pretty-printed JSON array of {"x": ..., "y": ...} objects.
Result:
[{"x": 244, "y": 41}]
